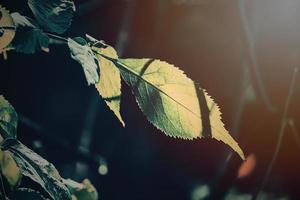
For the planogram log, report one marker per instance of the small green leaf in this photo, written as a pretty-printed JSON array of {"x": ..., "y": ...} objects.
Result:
[
  {"x": 109, "y": 86},
  {"x": 53, "y": 15},
  {"x": 173, "y": 102},
  {"x": 29, "y": 38},
  {"x": 38, "y": 169},
  {"x": 83, "y": 54},
  {"x": 8, "y": 119}
]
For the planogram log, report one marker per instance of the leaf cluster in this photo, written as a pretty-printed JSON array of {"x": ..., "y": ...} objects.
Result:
[{"x": 170, "y": 100}]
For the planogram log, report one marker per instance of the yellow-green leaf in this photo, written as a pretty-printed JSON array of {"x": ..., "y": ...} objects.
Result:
[
  {"x": 37, "y": 169},
  {"x": 7, "y": 35},
  {"x": 109, "y": 86},
  {"x": 8, "y": 119},
  {"x": 9, "y": 168},
  {"x": 173, "y": 102}
]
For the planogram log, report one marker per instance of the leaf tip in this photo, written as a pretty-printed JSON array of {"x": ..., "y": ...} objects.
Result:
[{"x": 121, "y": 121}]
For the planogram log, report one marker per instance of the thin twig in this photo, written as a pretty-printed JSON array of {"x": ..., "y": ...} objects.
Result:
[
  {"x": 284, "y": 122},
  {"x": 295, "y": 132},
  {"x": 47, "y": 135},
  {"x": 56, "y": 39},
  {"x": 250, "y": 42},
  {"x": 123, "y": 35}
]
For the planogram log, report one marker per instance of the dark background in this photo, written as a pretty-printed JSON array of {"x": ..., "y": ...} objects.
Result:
[{"x": 210, "y": 41}]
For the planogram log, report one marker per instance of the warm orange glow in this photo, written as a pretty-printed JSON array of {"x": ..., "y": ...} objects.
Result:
[{"x": 247, "y": 166}]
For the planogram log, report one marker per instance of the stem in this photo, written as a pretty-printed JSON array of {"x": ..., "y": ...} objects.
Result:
[
  {"x": 47, "y": 135},
  {"x": 284, "y": 122},
  {"x": 7, "y": 27},
  {"x": 57, "y": 39}
]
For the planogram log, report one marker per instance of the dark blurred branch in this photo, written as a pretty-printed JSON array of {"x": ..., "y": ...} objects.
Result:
[
  {"x": 250, "y": 42},
  {"x": 123, "y": 35},
  {"x": 86, "y": 136},
  {"x": 48, "y": 136},
  {"x": 283, "y": 123}
]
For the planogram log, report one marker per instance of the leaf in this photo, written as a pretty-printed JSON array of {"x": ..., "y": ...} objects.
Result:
[
  {"x": 9, "y": 168},
  {"x": 53, "y": 15},
  {"x": 83, "y": 54},
  {"x": 38, "y": 169},
  {"x": 93, "y": 42},
  {"x": 29, "y": 38},
  {"x": 8, "y": 119},
  {"x": 73, "y": 185},
  {"x": 6, "y": 35},
  {"x": 109, "y": 86},
  {"x": 8, "y": 129},
  {"x": 87, "y": 192},
  {"x": 233, "y": 194},
  {"x": 173, "y": 102}
]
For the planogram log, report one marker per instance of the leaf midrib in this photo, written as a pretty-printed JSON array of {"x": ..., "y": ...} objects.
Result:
[{"x": 124, "y": 66}]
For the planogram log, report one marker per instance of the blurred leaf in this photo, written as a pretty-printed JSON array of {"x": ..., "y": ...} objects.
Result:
[
  {"x": 88, "y": 192},
  {"x": 173, "y": 102},
  {"x": 82, "y": 53},
  {"x": 8, "y": 119},
  {"x": 53, "y": 15},
  {"x": 6, "y": 35},
  {"x": 200, "y": 192},
  {"x": 72, "y": 185},
  {"x": 9, "y": 168},
  {"x": 26, "y": 194},
  {"x": 234, "y": 195},
  {"x": 38, "y": 169},
  {"x": 250, "y": 94},
  {"x": 109, "y": 86},
  {"x": 29, "y": 38}
]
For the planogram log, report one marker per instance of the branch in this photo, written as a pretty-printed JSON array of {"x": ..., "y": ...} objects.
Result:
[
  {"x": 250, "y": 42},
  {"x": 284, "y": 122}
]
